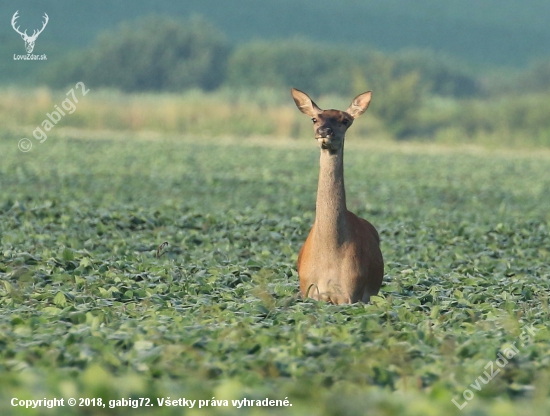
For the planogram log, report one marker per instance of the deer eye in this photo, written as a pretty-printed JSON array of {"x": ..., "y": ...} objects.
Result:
[
  {"x": 345, "y": 122},
  {"x": 314, "y": 120}
]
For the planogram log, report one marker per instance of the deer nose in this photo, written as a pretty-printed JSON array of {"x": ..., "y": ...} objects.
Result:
[{"x": 324, "y": 132}]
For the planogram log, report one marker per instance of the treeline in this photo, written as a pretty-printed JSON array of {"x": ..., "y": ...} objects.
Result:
[
  {"x": 164, "y": 54},
  {"x": 418, "y": 93}
]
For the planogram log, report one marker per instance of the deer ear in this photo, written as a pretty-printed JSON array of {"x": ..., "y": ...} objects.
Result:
[
  {"x": 359, "y": 104},
  {"x": 304, "y": 103}
]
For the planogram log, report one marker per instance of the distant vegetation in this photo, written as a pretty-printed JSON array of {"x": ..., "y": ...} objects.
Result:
[
  {"x": 163, "y": 54},
  {"x": 153, "y": 54},
  {"x": 417, "y": 94},
  {"x": 509, "y": 120}
]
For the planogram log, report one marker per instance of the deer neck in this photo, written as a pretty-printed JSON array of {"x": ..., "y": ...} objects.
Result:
[{"x": 330, "y": 217}]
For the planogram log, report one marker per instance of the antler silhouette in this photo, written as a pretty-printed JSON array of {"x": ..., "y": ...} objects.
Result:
[
  {"x": 36, "y": 33},
  {"x": 13, "y": 21},
  {"x": 29, "y": 40}
]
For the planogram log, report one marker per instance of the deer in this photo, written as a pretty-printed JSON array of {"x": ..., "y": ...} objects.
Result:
[
  {"x": 340, "y": 261},
  {"x": 29, "y": 40}
]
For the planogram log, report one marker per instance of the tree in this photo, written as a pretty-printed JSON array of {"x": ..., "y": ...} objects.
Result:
[{"x": 155, "y": 53}]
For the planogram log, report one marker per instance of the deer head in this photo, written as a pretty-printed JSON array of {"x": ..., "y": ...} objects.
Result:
[
  {"x": 29, "y": 40},
  {"x": 330, "y": 126}
]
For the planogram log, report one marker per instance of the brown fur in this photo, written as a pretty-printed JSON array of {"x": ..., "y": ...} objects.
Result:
[{"x": 340, "y": 261}]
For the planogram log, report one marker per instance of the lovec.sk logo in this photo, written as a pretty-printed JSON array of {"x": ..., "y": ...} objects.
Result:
[{"x": 29, "y": 40}]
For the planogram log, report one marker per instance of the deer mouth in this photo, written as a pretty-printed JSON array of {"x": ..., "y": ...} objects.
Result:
[
  {"x": 324, "y": 138},
  {"x": 326, "y": 143}
]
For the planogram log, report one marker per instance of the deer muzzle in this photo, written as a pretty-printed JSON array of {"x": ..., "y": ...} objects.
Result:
[{"x": 324, "y": 132}]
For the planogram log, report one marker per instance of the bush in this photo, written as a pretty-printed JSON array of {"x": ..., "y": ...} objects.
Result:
[
  {"x": 163, "y": 54},
  {"x": 439, "y": 74},
  {"x": 537, "y": 77},
  {"x": 399, "y": 82},
  {"x": 155, "y": 53},
  {"x": 291, "y": 63},
  {"x": 396, "y": 97}
]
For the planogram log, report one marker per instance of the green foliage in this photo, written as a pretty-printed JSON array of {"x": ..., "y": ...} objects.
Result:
[
  {"x": 88, "y": 310},
  {"x": 155, "y": 53},
  {"x": 441, "y": 75},
  {"x": 163, "y": 54},
  {"x": 399, "y": 87},
  {"x": 520, "y": 120},
  {"x": 400, "y": 109},
  {"x": 318, "y": 69},
  {"x": 399, "y": 98},
  {"x": 536, "y": 78},
  {"x": 322, "y": 68}
]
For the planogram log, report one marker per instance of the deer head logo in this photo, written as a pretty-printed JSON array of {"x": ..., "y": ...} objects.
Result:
[{"x": 29, "y": 40}]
